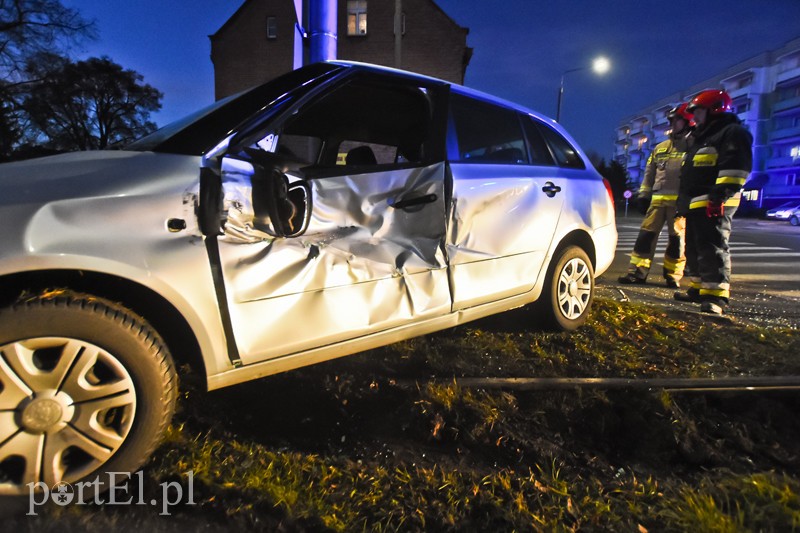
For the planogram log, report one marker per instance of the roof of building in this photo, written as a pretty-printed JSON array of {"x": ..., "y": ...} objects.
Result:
[{"x": 241, "y": 9}]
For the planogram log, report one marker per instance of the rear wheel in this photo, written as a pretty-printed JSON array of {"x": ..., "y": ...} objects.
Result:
[
  {"x": 86, "y": 387},
  {"x": 568, "y": 292}
]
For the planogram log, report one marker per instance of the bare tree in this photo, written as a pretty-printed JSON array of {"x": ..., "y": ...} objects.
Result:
[
  {"x": 29, "y": 27},
  {"x": 89, "y": 105}
]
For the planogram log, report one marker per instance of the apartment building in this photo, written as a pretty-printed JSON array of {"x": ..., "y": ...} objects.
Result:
[
  {"x": 766, "y": 95},
  {"x": 264, "y": 39}
]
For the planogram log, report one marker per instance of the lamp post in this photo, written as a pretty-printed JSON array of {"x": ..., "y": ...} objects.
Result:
[{"x": 600, "y": 66}]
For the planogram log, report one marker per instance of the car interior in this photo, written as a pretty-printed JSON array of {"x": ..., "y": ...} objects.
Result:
[{"x": 359, "y": 125}]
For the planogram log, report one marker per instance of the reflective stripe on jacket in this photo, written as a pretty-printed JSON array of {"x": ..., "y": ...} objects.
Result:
[
  {"x": 662, "y": 174},
  {"x": 700, "y": 202},
  {"x": 717, "y": 164}
]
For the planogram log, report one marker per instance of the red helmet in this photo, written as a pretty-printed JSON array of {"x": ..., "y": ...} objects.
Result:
[
  {"x": 681, "y": 111},
  {"x": 715, "y": 100}
]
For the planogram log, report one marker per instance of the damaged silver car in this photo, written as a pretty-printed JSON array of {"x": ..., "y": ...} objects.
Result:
[{"x": 335, "y": 209}]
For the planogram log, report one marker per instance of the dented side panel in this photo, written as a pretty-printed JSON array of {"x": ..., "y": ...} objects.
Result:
[
  {"x": 500, "y": 228},
  {"x": 361, "y": 266}
]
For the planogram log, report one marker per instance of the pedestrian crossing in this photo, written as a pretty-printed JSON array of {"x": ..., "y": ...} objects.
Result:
[{"x": 749, "y": 261}]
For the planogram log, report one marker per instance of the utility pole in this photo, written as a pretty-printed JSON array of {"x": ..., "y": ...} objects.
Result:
[
  {"x": 322, "y": 34},
  {"x": 398, "y": 33}
]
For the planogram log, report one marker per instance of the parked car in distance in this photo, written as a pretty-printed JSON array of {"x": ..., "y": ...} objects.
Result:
[
  {"x": 783, "y": 211},
  {"x": 337, "y": 208}
]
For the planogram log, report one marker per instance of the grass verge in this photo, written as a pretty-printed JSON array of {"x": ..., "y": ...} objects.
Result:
[{"x": 349, "y": 446}]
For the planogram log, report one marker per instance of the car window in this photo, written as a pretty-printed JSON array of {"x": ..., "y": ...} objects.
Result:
[
  {"x": 538, "y": 151},
  {"x": 362, "y": 123},
  {"x": 304, "y": 149},
  {"x": 358, "y": 153},
  {"x": 562, "y": 150},
  {"x": 487, "y": 133}
]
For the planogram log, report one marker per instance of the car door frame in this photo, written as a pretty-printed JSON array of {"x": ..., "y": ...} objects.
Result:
[
  {"x": 249, "y": 350},
  {"x": 489, "y": 259}
]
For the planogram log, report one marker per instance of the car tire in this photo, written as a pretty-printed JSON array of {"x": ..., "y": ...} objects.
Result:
[
  {"x": 794, "y": 220},
  {"x": 568, "y": 291},
  {"x": 86, "y": 387}
]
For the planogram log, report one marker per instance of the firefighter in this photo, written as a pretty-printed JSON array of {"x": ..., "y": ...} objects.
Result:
[
  {"x": 713, "y": 174},
  {"x": 656, "y": 199}
]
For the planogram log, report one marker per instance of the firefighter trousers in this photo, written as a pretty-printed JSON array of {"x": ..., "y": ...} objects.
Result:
[
  {"x": 708, "y": 257},
  {"x": 645, "y": 247}
]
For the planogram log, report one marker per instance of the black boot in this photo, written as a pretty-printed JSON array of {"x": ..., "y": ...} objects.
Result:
[
  {"x": 691, "y": 295},
  {"x": 713, "y": 306},
  {"x": 631, "y": 279}
]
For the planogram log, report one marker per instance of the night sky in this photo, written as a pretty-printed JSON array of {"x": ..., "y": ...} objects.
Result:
[{"x": 521, "y": 48}]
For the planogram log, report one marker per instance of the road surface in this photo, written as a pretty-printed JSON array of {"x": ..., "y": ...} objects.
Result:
[{"x": 765, "y": 283}]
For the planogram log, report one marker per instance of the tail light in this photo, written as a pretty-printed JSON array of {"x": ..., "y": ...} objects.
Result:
[{"x": 609, "y": 191}]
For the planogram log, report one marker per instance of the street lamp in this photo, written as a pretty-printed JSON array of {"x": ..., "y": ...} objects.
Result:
[{"x": 600, "y": 66}]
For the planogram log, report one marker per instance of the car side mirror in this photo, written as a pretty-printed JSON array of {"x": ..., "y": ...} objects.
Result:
[{"x": 281, "y": 207}]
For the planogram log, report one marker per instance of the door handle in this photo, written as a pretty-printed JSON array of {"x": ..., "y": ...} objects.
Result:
[
  {"x": 411, "y": 202},
  {"x": 551, "y": 189}
]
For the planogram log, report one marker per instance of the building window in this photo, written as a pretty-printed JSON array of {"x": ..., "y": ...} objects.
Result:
[
  {"x": 787, "y": 93},
  {"x": 791, "y": 180},
  {"x": 743, "y": 82},
  {"x": 782, "y": 122},
  {"x": 790, "y": 63},
  {"x": 272, "y": 27},
  {"x": 356, "y": 17}
]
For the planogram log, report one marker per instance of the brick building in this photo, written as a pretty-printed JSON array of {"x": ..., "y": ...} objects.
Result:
[{"x": 263, "y": 39}]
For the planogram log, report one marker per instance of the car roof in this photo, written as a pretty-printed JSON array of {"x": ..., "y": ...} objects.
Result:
[{"x": 461, "y": 89}]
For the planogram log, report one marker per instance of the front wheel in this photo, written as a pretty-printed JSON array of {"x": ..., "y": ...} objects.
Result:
[
  {"x": 568, "y": 292},
  {"x": 86, "y": 387},
  {"x": 794, "y": 220}
]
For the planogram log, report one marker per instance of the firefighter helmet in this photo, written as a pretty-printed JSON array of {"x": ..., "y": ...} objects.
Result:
[
  {"x": 681, "y": 111},
  {"x": 715, "y": 100}
]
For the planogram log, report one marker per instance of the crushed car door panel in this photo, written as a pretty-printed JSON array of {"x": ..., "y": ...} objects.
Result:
[
  {"x": 361, "y": 265},
  {"x": 368, "y": 254},
  {"x": 495, "y": 245}
]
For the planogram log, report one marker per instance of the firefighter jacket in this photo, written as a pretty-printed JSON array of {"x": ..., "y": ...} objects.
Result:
[
  {"x": 662, "y": 174},
  {"x": 716, "y": 165}
]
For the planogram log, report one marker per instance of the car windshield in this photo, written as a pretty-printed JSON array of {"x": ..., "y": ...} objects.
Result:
[{"x": 202, "y": 130}]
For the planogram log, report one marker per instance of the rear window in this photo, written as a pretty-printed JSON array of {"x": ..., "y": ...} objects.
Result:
[
  {"x": 537, "y": 147},
  {"x": 563, "y": 152}
]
